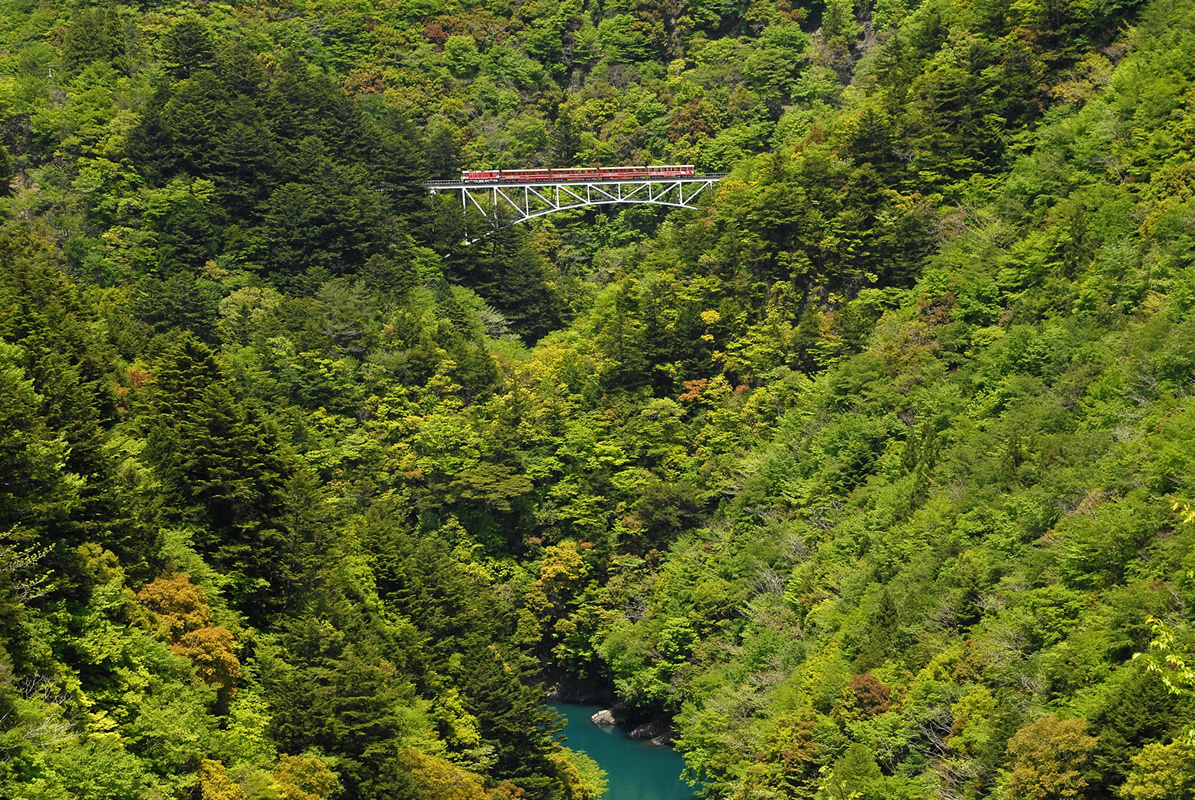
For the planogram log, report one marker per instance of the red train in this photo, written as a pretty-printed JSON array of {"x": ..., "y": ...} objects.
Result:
[{"x": 577, "y": 174}]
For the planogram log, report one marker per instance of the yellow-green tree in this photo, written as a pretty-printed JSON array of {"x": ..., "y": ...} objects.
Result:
[
  {"x": 1048, "y": 758},
  {"x": 443, "y": 780},
  {"x": 305, "y": 777},
  {"x": 1161, "y": 772},
  {"x": 214, "y": 783}
]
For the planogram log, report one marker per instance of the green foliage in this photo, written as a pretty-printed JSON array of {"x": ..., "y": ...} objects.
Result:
[{"x": 860, "y": 473}]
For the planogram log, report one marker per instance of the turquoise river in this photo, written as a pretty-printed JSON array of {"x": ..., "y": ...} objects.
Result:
[{"x": 637, "y": 770}]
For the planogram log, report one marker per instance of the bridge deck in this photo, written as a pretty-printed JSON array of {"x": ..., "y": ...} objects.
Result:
[{"x": 434, "y": 185}]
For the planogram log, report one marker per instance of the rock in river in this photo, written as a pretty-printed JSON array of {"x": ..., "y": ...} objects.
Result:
[
  {"x": 650, "y": 730},
  {"x": 604, "y": 717}
]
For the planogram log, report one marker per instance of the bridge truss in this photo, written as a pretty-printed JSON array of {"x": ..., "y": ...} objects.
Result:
[{"x": 515, "y": 202}]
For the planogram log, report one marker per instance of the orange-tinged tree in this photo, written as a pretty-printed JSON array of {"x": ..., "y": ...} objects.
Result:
[
  {"x": 178, "y": 605},
  {"x": 210, "y": 650},
  {"x": 182, "y": 617}
]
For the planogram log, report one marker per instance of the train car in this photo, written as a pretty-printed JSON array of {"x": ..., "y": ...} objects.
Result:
[
  {"x": 577, "y": 174},
  {"x": 526, "y": 175},
  {"x": 672, "y": 171},
  {"x": 624, "y": 172},
  {"x": 632, "y": 173}
]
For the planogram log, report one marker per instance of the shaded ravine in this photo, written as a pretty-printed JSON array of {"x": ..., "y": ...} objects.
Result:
[{"x": 636, "y": 769}]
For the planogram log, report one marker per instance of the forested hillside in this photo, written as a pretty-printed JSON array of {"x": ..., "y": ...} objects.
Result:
[{"x": 873, "y": 475}]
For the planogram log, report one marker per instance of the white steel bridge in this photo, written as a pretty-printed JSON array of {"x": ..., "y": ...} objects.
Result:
[{"x": 518, "y": 200}]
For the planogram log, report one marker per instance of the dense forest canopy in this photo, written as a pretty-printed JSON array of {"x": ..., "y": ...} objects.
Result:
[{"x": 874, "y": 475}]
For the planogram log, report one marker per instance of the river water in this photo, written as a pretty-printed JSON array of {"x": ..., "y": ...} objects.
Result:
[{"x": 636, "y": 769}]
